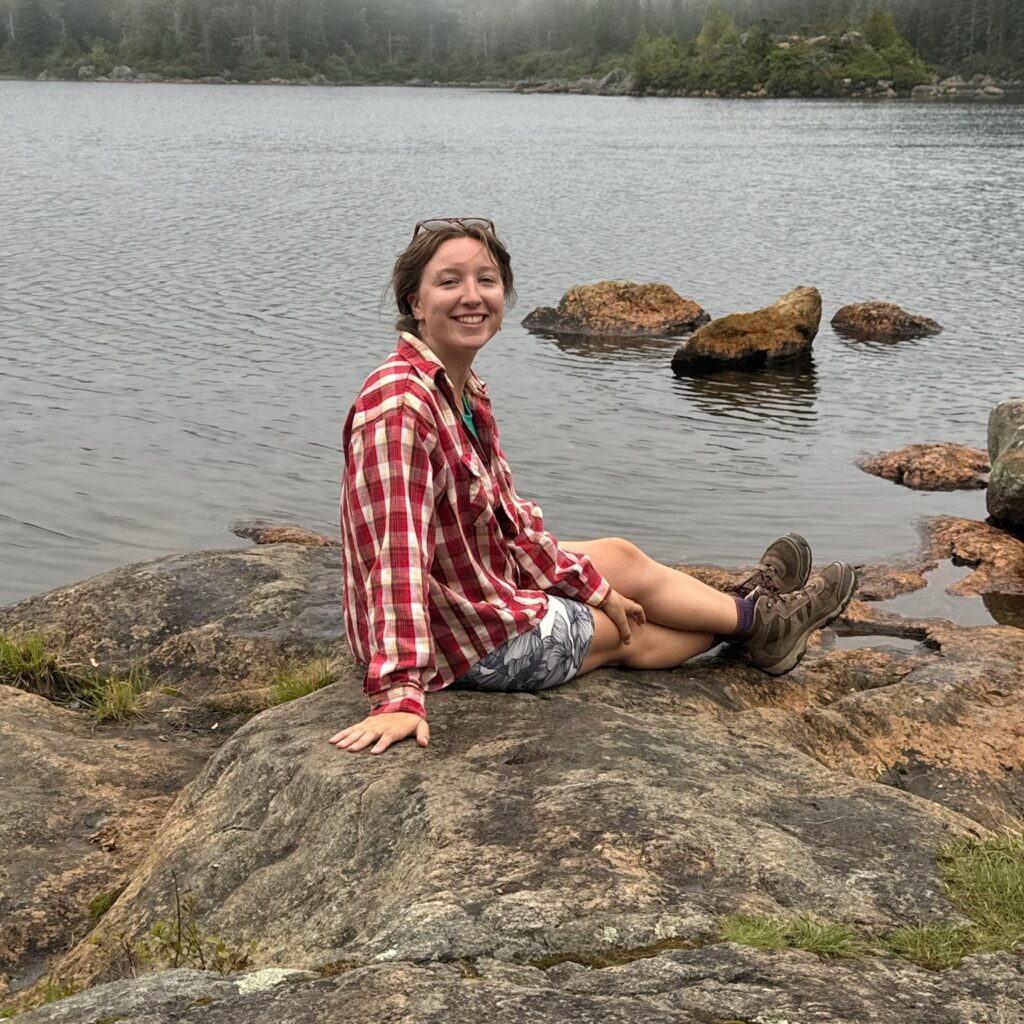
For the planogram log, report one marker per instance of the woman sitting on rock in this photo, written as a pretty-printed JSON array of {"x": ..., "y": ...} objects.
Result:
[{"x": 451, "y": 577}]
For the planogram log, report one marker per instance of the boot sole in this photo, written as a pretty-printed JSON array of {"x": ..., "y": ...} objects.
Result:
[{"x": 799, "y": 649}]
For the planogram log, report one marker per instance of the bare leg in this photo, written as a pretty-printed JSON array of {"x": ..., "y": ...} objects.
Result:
[
  {"x": 669, "y": 597},
  {"x": 651, "y": 646}
]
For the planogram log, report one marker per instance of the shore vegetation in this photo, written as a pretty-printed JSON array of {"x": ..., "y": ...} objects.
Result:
[
  {"x": 984, "y": 878},
  {"x": 30, "y": 663},
  {"x": 783, "y": 46}
]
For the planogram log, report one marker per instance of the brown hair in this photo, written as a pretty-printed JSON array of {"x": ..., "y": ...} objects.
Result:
[{"x": 420, "y": 251}]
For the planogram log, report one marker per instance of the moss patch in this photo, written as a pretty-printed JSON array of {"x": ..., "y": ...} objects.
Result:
[{"x": 613, "y": 957}]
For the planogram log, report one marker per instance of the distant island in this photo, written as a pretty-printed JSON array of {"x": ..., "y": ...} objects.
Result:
[{"x": 939, "y": 48}]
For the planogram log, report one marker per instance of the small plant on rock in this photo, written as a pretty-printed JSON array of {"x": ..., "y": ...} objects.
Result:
[
  {"x": 29, "y": 663},
  {"x": 934, "y": 945},
  {"x": 179, "y": 943},
  {"x": 290, "y": 684},
  {"x": 825, "y": 938}
]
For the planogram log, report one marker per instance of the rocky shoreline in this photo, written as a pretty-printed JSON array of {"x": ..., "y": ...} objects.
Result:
[
  {"x": 610, "y": 824},
  {"x": 619, "y": 82}
]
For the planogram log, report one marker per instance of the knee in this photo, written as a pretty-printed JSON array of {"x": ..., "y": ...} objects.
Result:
[{"x": 625, "y": 550}]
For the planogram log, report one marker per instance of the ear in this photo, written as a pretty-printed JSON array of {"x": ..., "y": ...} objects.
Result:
[{"x": 414, "y": 304}]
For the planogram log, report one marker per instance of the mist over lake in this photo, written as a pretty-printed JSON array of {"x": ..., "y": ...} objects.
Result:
[{"x": 193, "y": 289}]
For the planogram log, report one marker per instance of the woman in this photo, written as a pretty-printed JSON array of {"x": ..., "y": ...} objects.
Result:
[{"x": 450, "y": 576}]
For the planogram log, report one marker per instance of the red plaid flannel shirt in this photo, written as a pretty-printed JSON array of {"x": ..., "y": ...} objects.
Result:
[{"x": 444, "y": 562}]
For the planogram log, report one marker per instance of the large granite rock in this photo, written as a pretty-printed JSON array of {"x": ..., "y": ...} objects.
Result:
[
  {"x": 881, "y": 321},
  {"x": 611, "y": 820},
  {"x": 79, "y": 807},
  {"x": 1005, "y": 497},
  {"x": 931, "y": 467},
  {"x": 721, "y": 984},
  {"x": 215, "y": 625},
  {"x": 618, "y": 308},
  {"x": 784, "y": 330}
]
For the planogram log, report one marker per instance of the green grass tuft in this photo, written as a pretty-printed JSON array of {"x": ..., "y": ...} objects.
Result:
[
  {"x": 100, "y": 904},
  {"x": 116, "y": 698},
  {"x": 986, "y": 878},
  {"x": 763, "y": 932},
  {"x": 825, "y": 938},
  {"x": 27, "y": 663},
  {"x": 57, "y": 988},
  {"x": 934, "y": 945},
  {"x": 290, "y": 684}
]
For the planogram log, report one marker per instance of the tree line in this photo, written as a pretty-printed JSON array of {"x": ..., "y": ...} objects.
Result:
[{"x": 457, "y": 40}]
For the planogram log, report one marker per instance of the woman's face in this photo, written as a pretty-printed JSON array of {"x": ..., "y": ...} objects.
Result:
[{"x": 460, "y": 302}]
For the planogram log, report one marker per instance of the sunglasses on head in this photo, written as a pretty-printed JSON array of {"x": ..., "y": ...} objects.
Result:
[{"x": 436, "y": 223}]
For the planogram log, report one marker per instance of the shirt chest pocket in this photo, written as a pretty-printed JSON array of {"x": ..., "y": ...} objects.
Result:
[{"x": 476, "y": 496}]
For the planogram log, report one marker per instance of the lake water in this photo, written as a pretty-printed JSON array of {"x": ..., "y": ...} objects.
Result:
[{"x": 191, "y": 284}]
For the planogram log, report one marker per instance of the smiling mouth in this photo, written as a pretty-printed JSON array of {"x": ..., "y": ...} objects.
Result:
[{"x": 471, "y": 320}]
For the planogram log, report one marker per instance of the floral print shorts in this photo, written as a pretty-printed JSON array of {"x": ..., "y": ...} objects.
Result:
[{"x": 548, "y": 655}]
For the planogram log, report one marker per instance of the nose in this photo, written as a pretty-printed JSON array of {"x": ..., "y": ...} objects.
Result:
[{"x": 470, "y": 295}]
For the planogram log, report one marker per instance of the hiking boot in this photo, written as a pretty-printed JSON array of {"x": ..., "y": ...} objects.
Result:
[
  {"x": 783, "y": 622},
  {"x": 784, "y": 566}
]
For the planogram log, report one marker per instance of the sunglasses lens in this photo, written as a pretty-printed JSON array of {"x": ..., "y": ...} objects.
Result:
[
  {"x": 442, "y": 222},
  {"x": 433, "y": 225}
]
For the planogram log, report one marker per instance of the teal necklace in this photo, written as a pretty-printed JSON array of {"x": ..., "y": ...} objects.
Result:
[{"x": 467, "y": 416}]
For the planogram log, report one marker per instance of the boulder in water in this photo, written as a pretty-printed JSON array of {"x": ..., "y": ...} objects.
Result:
[
  {"x": 781, "y": 331},
  {"x": 931, "y": 467},
  {"x": 619, "y": 308},
  {"x": 881, "y": 321},
  {"x": 1005, "y": 498}
]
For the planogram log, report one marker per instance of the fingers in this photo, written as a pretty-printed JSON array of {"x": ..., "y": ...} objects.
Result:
[
  {"x": 381, "y": 732},
  {"x": 621, "y": 621},
  {"x": 423, "y": 734}
]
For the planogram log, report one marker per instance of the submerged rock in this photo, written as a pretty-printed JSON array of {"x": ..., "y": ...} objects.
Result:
[
  {"x": 931, "y": 467},
  {"x": 781, "y": 331},
  {"x": 263, "y": 531},
  {"x": 881, "y": 321},
  {"x": 995, "y": 555},
  {"x": 1005, "y": 498},
  {"x": 618, "y": 308}
]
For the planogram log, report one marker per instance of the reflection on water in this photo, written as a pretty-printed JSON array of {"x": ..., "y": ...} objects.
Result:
[
  {"x": 1006, "y": 609},
  {"x": 613, "y": 346},
  {"x": 784, "y": 395},
  {"x": 935, "y": 602}
]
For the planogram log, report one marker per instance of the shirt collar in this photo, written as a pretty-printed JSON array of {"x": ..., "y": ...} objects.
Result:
[{"x": 422, "y": 357}]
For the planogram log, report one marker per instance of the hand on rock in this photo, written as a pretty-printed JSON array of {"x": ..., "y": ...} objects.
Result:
[{"x": 385, "y": 729}]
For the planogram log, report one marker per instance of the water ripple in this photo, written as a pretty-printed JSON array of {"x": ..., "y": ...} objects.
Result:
[{"x": 193, "y": 282}]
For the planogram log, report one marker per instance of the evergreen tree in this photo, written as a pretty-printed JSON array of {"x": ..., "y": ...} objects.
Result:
[{"x": 36, "y": 29}]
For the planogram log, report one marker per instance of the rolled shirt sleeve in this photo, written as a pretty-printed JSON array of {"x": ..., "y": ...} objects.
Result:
[{"x": 393, "y": 477}]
